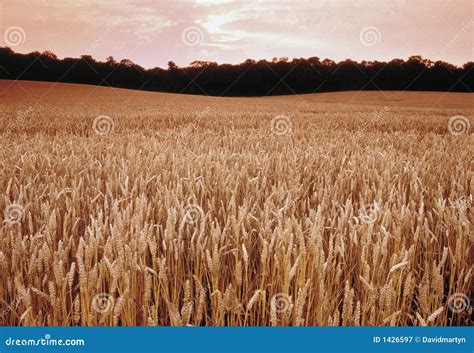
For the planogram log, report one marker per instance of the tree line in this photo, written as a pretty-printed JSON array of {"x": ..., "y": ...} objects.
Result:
[{"x": 250, "y": 78}]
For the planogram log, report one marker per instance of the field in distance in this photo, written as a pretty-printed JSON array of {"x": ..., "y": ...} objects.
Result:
[{"x": 124, "y": 207}]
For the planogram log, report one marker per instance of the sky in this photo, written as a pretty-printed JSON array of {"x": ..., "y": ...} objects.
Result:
[{"x": 153, "y": 32}]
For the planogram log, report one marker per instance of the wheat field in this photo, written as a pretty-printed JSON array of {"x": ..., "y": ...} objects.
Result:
[{"x": 137, "y": 208}]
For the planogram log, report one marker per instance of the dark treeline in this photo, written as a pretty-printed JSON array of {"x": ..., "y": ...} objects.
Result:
[{"x": 251, "y": 78}]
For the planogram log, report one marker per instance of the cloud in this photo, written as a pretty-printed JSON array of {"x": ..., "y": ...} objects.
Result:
[{"x": 150, "y": 32}]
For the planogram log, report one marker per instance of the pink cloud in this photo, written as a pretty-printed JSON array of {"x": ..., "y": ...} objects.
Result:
[{"x": 151, "y": 32}]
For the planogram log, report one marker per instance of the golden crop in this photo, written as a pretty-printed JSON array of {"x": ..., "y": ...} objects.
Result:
[{"x": 131, "y": 208}]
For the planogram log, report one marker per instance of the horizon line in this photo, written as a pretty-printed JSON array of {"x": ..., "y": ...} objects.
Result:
[{"x": 279, "y": 59}]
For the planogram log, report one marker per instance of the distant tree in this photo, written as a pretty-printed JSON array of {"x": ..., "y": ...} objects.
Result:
[
  {"x": 7, "y": 51},
  {"x": 250, "y": 78},
  {"x": 88, "y": 58},
  {"x": 127, "y": 62},
  {"x": 314, "y": 60},
  {"x": 200, "y": 63},
  {"x": 328, "y": 62},
  {"x": 110, "y": 61},
  {"x": 49, "y": 54},
  {"x": 172, "y": 65}
]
